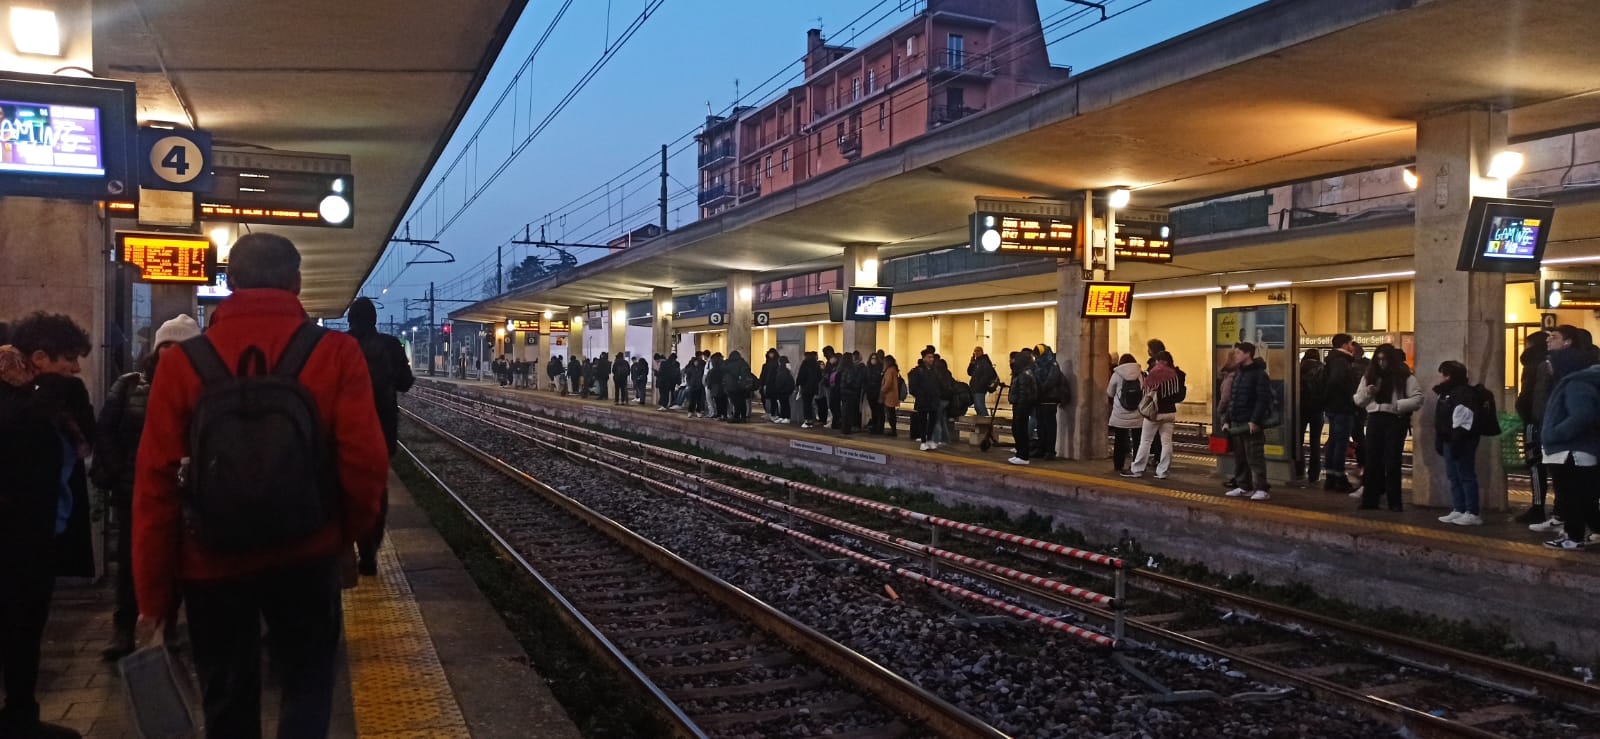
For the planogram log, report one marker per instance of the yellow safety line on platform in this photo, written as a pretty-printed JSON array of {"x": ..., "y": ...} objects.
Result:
[{"x": 397, "y": 684}]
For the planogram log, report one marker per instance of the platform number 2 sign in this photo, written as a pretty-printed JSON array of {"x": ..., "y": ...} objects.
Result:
[{"x": 177, "y": 160}]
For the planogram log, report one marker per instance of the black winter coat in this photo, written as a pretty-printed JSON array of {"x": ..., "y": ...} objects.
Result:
[
  {"x": 1340, "y": 379},
  {"x": 810, "y": 376},
  {"x": 733, "y": 373},
  {"x": 982, "y": 374},
  {"x": 641, "y": 371},
  {"x": 668, "y": 375},
  {"x": 1251, "y": 397},
  {"x": 620, "y": 371},
  {"x": 714, "y": 374},
  {"x": 923, "y": 384},
  {"x": 782, "y": 382}
]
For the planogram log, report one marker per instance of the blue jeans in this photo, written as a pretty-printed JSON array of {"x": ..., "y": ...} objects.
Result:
[
  {"x": 1339, "y": 425},
  {"x": 1460, "y": 467},
  {"x": 980, "y": 403}
]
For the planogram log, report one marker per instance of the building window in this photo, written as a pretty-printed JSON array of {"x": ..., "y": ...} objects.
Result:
[
  {"x": 956, "y": 52},
  {"x": 883, "y": 115},
  {"x": 872, "y": 81},
  {"x": 1366, "y": 309},
  {"x": 769, "y": 166},
  {"x": 911, "y": 46},
  {"x": 855, "y": 89},
  {"x": 785, "y": 158}
]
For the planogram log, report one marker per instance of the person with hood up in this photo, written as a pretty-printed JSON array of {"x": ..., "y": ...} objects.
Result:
[
  {"x": 390, "y": 374},
  {"x": 983, "y": 379},
  {"x": 694, "y": 380},
  {"x": 1169, "y": 385},
  {"x": 575, "y": 376},
  {"x": 889, "y": 394},
  {"x": 1389, "y": 393},
  {"x": 1024, "y": 394},
  {"x": 1340, "y": 379},
  {"x": 1125, "y": 390},
  {"x": 668, "y": 377},
  {"x": 1249, "y": 405},
  {"x": 807, "y": 379},
  {"x": 735, "y": 376},
  {"x": 851, "y": 382},
  {"x": 769, "y": 365},
  {"x": 641, "y": 378},
  {"x": 620, "y": 372},
  {"x": 558, "y": 374},
  {"x": 715, "y": 369},
  {"x": 1053, "y": 391},
  {"x": 1534, "y": 354},
  {"x": 1571, "y": 439},
  {"x": 1569, "y": 351}
]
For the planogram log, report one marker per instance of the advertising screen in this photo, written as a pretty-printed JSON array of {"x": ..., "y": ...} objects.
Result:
[
  {"x": 1505, "y": 235},
  {"x": 50, "y": 139},
  {"x": 869, "y": 303}
]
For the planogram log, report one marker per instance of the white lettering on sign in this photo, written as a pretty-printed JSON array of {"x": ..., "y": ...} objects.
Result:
[
  {"x": 810, "y": 446},
  {"x": 602, "y": 410},
  {"x": 861, "y": 456}
]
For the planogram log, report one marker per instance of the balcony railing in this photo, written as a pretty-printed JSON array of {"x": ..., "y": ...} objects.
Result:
[
  {"x": 712, "y": 196},
  {"x": 717, "y": 154},
  {"x": 850, "y": 145},
  {"x": 956, "y": 61},
  {"x": 748, "y": 189},
  {"x": 942, "y": 114}
]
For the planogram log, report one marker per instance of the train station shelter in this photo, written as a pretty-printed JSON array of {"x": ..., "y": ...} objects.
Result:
[{"x": 1319, "y": 154}]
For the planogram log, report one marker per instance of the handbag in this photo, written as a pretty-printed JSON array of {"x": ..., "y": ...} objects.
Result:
[{"x": 1149, "y": 408}]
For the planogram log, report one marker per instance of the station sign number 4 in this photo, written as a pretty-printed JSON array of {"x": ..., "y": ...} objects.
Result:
[{"x": 176, "y": 160}]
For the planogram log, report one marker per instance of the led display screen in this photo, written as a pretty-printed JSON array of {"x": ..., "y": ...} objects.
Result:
[
  {"x": 1505, "y": 235},
  {"x": 66, "y": 138},
  {"x": 50, "y": 139},
  {"x": 172, "y": 258},
  {"x": 1108, "y": 300},
  {"x": 868, "y": 303},
  {"x": 217, "y": 290}
]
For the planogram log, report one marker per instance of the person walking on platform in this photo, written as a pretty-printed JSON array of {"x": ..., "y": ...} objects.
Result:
[
  {"x": 715, "y": 370},
  {"x": 116, "y": 448},
  {"x": 668, "y": 377},
  {"x": 1571, "y": 439},
  {"x": 558, "y": 375},
  {"x": 983, "y": 379},
  {"x": 1339, "y": 379},
  {"x": 641, "y": 378},
  {"x": 808, "y": 378},
  {"x": 390, "y": 375},
  {"x": 1390, "y": 394},
  {"x": 620, "y": 372},
  {"x": 783, "y": 389},
  {"x": 1024, "y": 394},
  {"x": 245, "y": 511},
  {"x": 737, "y": 383},
  {"x": 891, "y": 390},
  {"x": 1126, "y": 390},
  {"x": 1456, "y": 441},
  {"x": 45, "y": 422},
  {"x": 1249, "y": 405},
  {"x": 1308, "y": 435},
  {"x": 1168, "y": 385}
]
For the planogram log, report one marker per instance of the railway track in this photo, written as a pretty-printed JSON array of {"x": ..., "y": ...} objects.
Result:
[
  {"x": 1430, "y": 690},
  {"x": 718, "y": 662}
]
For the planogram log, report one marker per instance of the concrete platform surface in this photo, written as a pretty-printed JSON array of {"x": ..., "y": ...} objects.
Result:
[
  {"x": 1495, "y": 574},
  {"x": 425, "y": 655}
]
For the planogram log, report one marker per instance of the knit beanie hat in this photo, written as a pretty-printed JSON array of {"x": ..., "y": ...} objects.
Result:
[{"x": 177, "y": 330}]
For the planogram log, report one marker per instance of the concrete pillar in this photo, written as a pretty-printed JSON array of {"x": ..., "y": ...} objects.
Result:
[
  {"x": 994, "y": 334},
  {"x": 575, "y": 335},
  {"x": 53, "y": 259},
  {"x": 1465, "y": 315},
  {"x": 740, "y": 315},
  {"x": 617, "y": 328},
  {"x": 547, "y": 343},
  {"x": 1081, "y": 347},
  {"x": 860, "y": 270},
  {"x": 661, "y": 333}
]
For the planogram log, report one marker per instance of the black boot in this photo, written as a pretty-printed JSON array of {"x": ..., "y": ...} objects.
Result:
[{"x": 1534, "y": 514}]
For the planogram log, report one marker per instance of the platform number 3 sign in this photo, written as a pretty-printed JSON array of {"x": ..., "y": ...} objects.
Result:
[{"x": 176, "y": 160}]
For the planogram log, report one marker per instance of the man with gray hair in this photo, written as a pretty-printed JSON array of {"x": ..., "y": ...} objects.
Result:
[{"x": 262, "y": 462}]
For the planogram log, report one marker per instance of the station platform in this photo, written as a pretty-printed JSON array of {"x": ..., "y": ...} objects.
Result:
[
  {"x": 1498, "y": 574},
  {"x": 424, "y": 654}
]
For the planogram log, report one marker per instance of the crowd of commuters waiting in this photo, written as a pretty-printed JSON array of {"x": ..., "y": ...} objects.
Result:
[{"x": 246, "y": 469}]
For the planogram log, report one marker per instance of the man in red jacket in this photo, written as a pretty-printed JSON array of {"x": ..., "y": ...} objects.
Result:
[{"x": 293, "y": 587}]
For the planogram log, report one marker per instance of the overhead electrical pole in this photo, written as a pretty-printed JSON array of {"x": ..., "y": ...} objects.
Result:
[{"x": 663, "y": 188}]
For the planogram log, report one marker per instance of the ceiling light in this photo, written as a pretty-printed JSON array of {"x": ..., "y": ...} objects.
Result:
[
  {"x": 35, "y": 31},
  {"x": 1360, "y": 278},
  {"x": 1409, "y": 174},
  {"x": 1504, "y": 165},
  {"x": 511, "y": 324},
  {"x": 1120, "y": 198},
  {"x": 666, "y": 307},
  {"x": 333, "y": 209},
  {"x": 745, "y": 293},
  {"x": 549, "y": 315},
  {"x": 221, "y": 235},
  {"x": 980, "y": 309}
]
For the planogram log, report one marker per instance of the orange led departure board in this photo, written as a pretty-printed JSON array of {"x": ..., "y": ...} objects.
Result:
[
  {"x": 558, "y": 326},
  {"x": 171, "y": 258},
  {"x": 1108, "y": 300}
]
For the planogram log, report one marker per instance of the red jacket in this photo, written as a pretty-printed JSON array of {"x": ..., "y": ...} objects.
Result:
[{"x": 164, "y": 553}]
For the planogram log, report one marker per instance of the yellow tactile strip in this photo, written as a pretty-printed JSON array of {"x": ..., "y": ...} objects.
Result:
[{"x": 397, "y": 684}]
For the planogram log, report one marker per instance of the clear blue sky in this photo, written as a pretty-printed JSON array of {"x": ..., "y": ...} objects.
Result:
[{"x": 654, "y": 90}]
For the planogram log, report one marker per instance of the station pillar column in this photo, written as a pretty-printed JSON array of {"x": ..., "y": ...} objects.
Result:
[
  {"x": 1465, "y": 315},
  {"x": 52, "y": 259},
  {"x": 860, "y": 270},
  {"x": 547, "y": 342},
  {"x": 1083, "y": 349},
  {"x": 617, "y": 328},
  {"x": 661, "y": 333},
  {"x": 575, "y": 333},
  {"x": 741, "y": 315}
]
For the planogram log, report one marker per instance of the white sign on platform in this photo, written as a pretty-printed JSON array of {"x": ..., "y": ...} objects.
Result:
[
  {"x": 598, "y": 409},
  {"x": 810, "y": 446},
  {"x": 861, "y": 456}
]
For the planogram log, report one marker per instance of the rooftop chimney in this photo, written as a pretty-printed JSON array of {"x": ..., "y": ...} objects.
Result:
[{"x": 813, "y": 39}]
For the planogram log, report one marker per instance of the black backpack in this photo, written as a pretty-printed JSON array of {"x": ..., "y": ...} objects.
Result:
[
  {"x": 961, "y": 400},
  {"x": 260, "y": 473},
  {"x": 1130, "y": 395},
  {"x": 1485, "y": 415}
]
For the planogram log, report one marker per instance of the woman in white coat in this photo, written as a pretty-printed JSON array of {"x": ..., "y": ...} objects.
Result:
[
  {"x": 1390, "y": 393},
  {"x": 1125, "y": 391},
  {"x": 1166, "y": 387}
]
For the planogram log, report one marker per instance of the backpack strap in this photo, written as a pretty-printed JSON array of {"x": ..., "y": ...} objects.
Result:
[
  {"x": 203, "y": 357},
  {"x": 298, "y": 352}
]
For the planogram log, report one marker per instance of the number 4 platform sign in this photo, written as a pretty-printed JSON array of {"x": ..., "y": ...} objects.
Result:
[{"x": 175, "y": 160}]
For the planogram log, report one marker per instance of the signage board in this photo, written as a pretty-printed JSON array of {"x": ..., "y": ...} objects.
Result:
[
  {"x": 168, "y": 258},
  {"x": 762, "y": 318},
  {"x": 1001, "y": 233},
  {"x": 1107, "y": 299},
  {"x": 532, "y": 339},
  {"x": 1560, "y": 293},
  {"x": 281, "y": 188},
  {"x": 1144, "y": 235},
  {"x": 513, "y": 324},
  {"x": 1549, "y": 321},
  {"x": 537, "y": 325},
  {"x": 175, "y": 160},
  {"x": 716, "y": 319},
  {"x": 64, "y": 137}
]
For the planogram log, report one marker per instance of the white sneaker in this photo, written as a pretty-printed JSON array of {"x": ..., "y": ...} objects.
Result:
[
  {"x": 1260, "y": 495},
  {"x": 1235, "y": 493},
  {"x": 1554, "y": 524},
  {"x": 1160, "y": 476},
  {"x": 923, "y": 446},
  {"x": 1468, "y": 519},
  {"x": 1017, "y": 460},
  {"x": 1451, "y": 516},
  {"x": 1358, "y": 491},
  {"x": 1594, "y": 538}
]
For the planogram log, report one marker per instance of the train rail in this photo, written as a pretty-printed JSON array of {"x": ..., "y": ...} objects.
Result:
[
  {"x": 717, "y": 661},
  {"x": 1429, "y": 689}
]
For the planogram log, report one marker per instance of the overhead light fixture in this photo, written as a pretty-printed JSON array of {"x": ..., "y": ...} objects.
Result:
[
  {"x": 980, "y": 309},
  {"x": 1504, "y": 165},
  {"x": 1409, "y": 174},
  {"x": 221, "y": 236},
  {"x": 1363, "y": 278},
  {"x": 746, "y": 293},
  {"x": 549, "y": 315},
  {"x": 1120, "y": 197},
  {"x": 499, "y": 333},
  {"x": 666, "y": 307},
  {"x": 35, "y": 31},
  {"x": 333, "y": 209},
  {"x": 511, "y": 324}
]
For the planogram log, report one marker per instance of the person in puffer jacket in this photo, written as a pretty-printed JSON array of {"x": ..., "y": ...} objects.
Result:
[
  {"x": 1124, "y": 390},
  {"x": 1389, "y": 393}
]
